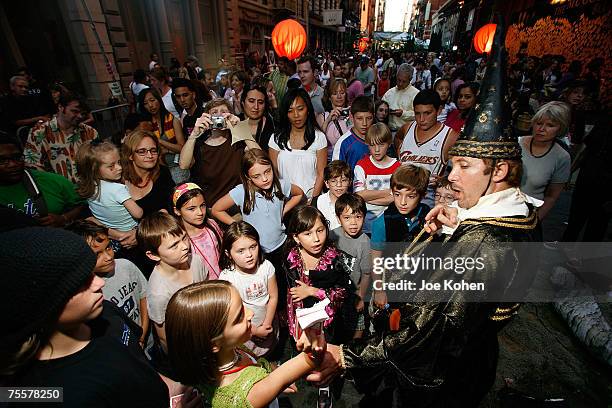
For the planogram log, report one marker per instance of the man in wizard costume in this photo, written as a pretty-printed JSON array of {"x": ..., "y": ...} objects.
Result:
[{"x": 444, "y": 353}]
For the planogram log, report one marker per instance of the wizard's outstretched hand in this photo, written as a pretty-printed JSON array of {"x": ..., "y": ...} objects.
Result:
[
  {"x": 329, "y": 367},
  {"x": 439, "y": 216}
]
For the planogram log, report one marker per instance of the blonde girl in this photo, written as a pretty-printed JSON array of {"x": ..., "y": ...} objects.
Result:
[
  {"x": 207, "y": 324},
  {"x": 255, "y": 279},
  {"x": 99, "y": 170},
  {"x": 203, "y": 232},
  {"x": 264, "y": 200}
]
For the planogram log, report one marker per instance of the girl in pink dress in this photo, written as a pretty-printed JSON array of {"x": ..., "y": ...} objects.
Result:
[{"x": 203, "y": 231}]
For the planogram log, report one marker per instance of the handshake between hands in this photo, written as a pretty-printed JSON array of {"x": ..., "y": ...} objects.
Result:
[
  {"x": 312, "y": 342},
  {"x": 326, "y": 357}
]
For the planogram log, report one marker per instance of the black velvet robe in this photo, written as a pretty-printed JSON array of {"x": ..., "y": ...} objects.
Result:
[{"x": 445, "y": 353}]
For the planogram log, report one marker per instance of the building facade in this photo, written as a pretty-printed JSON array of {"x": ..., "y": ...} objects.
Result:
[
  {"x": 410, "y": 17},
  {"x": 368, "y": 16},
  {"x": 94, "y": 46},
  {"x": 425, "y": 9},
  {"x": 319, "y": 34},
  {"x": 379, "y": 23}
]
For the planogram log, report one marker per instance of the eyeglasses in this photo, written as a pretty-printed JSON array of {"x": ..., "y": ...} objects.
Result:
[
  {"x": 143, "y": 151},
  {"x": 16, "y": 158},
  {"x": 339, "y": 182},
  {"x": 444, "y": 197}
]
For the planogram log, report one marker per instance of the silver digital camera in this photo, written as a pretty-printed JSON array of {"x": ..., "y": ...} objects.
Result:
[
  {"x": 218, "y": 122},
  {"x": 345, "y": 112}
]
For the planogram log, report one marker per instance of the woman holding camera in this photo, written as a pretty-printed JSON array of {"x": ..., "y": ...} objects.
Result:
[
  {"x": 212, "y": 153},
  {"x": 334, "y": 121}
]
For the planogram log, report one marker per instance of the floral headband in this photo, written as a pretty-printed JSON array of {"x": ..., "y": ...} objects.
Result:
[{"x": 182, "y": 189}]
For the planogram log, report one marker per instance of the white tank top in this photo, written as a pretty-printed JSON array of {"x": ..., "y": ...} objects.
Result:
[{"x": 428, "y": 154}]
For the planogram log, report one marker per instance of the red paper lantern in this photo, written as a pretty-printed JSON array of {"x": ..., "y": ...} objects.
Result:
[
  {"x": 289, "y": 39},
  {"x": 363, "y": 44},
  {"x": 483, "y": 40}
]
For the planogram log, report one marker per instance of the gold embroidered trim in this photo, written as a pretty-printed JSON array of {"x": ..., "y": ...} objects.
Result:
[
  {"x": 492, "y": 149},
  {"x": 500, "y": 318},
  {"x": 510, "y": 309},
  {"x": 508, "y": 222},
  {"x": 504, "y": 313}
]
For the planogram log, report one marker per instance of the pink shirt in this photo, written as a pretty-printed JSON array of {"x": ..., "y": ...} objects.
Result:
[
  {"x": 354, "y": 90},
  {"x": 206, "y": 246},
  {"x": 455, "y": 85},
  {"x": 333, "y": 134}
]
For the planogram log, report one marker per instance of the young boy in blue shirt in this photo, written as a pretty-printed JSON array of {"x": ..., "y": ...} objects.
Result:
[
  {"x": 404, "y": 218},
  {"x": 351, "y": 147}
]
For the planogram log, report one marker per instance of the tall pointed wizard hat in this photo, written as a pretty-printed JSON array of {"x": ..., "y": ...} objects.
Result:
[{"x": 486, "y": 134}]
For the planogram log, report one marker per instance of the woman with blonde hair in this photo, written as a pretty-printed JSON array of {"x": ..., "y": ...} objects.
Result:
[
  {"x": 148, "y": 181},
  {"x": 334, "y": 122},
  {"x": 546, "y": 164}
]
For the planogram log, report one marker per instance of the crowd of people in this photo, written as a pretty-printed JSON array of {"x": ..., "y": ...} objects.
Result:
[{"x": 287, "y": 179}]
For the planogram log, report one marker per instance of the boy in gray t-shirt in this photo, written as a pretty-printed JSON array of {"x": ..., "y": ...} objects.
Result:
[
  {"x": 124, "y": 283},
  {"x": 126, "y": 287},
  {"x": 351, "y": 211}
]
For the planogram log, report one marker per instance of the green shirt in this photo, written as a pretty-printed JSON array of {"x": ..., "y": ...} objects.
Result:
[
  {"x": 280, "y": 84},
  {"x": 235, "y": 395},
  {"x": 59, "y": 194}
]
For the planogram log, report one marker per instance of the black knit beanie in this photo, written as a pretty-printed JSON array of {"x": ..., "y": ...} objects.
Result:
[{"x": 40, "y": 270}]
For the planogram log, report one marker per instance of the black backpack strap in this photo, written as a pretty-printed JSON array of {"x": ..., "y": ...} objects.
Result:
[
  {"x": 314, "y": 201},
  {"x": 34, "y": 193},
  {"x": 340, "y": 132}
]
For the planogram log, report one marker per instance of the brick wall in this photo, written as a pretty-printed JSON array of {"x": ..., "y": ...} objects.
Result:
[{"x": 584, "y": 39}]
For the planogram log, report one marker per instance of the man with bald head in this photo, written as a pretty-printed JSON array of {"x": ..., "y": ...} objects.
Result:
[{"x": 400, "y": 98}]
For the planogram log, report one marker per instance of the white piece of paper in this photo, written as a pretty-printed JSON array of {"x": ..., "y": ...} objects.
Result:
[{"x": 308, "y": 317}]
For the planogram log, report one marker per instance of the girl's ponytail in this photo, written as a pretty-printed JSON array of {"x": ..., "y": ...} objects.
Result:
[{"x": 88, "y": 166}]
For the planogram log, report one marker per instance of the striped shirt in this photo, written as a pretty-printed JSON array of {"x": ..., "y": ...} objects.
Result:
[
  {"x": 279, "y": 81},
  {"x": 373, "y": 176},
  {"x": 350, "y": 148}
]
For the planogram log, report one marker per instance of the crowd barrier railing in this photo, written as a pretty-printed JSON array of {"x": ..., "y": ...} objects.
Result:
[{"x": 109, "y": 121}]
